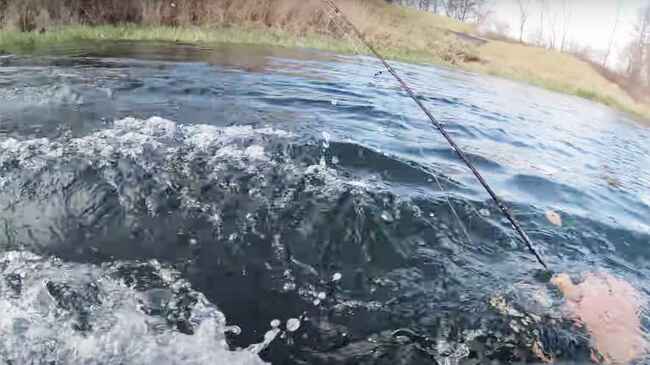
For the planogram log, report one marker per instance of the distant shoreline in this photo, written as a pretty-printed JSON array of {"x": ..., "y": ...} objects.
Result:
[{"x": 476, "y": 58}]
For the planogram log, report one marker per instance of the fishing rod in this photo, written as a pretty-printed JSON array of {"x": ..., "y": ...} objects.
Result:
[{"x": 515, "y": 224}]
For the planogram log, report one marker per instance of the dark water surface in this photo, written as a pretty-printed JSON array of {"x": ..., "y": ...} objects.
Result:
[{"x": 153, "y": 195}]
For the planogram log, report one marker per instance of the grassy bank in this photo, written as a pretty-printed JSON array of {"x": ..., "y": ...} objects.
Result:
[
  {"x": 20, "y": 42},
  {"x": 400, "y": 33},
  {"x": 555, "y": 71}
]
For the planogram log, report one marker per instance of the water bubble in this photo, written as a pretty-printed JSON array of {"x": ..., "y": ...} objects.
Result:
[
  {"x": 235, "y": 330},
  {"x": 334, "y": 102},
  {"x": 215, "y": 219},
  {"x": 387, "y": 217},
  {"x": 193, "y": 242},
  {"x": 335, "y": 160},
  {"x": 269, "y": 336},
  {"x": 316, "y": 302},
  {"x": 326, "y": 140},
  {"x": 322, "y": 295},
  {"x": 275, "y": 323},
  {"x": 289, "y": 286},
  {"x": 293, "y": 324},
  {"x": 484, "y": 212},
  {"x": 337, "y": 276}
]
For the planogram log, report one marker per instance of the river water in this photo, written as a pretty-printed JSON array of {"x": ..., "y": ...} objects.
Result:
[{"x": 165, "y": 203}]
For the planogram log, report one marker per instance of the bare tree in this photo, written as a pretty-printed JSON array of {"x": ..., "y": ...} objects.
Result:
[
  {"x": 629, "y": 57},
  {"x": 524, "y": 7},
  {"x": 475, "y": 11},
  {"x": 483, "y": 13},
  {"x": 465, "y": 10},
  {"x": 542, "y": 7},
  {"x": 462, "y": 10},
  {"x": 552, "y": 22},
  {"x": 638, "y": 53},
  {"x": 612, "y": 37},
  {"x": 566, "y": 22}
]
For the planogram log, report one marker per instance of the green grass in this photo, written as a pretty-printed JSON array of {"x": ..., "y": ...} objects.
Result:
[
  {"x": 13, "y": 41},
  {"x": 30, "y": 42}
]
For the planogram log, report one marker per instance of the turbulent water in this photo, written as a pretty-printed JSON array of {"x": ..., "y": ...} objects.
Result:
[{"x": 171, "y": 204}]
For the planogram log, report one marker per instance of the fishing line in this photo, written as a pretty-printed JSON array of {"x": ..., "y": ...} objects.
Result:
[
  {"x": 453, "y": 210},
  {"x": 333, "y": 16},
  {"x": 506, "y": 212}
]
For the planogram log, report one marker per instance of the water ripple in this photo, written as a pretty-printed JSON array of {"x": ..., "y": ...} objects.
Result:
[{"x": 270, "y": 172}]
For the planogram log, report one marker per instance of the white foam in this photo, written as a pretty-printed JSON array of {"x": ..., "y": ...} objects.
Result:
[
  {"x": 134, "y": 166},
  {"x": 165, "y": 148},
  {"x": 34, "y": 329}
]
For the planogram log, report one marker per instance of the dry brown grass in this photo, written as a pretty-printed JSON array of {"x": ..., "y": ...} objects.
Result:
[
  {"x": 29, "y": 15},
  {"x": 288, "y": 14},
  {"x": 294, "y": 15}
]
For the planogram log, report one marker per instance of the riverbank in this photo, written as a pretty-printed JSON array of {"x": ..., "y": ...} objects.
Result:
[{"x": 399, "y": 33}]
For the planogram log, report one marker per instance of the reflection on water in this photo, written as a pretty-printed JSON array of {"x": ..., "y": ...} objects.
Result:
[{"x": 287, "y": 187}]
